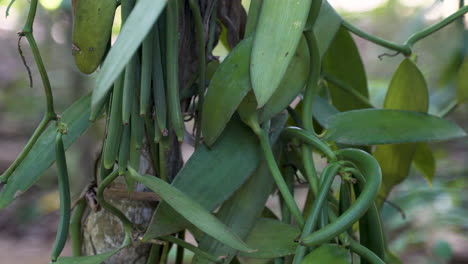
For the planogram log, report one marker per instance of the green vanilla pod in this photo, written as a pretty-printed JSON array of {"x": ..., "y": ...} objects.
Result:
[{"x": 92, "y": 27}]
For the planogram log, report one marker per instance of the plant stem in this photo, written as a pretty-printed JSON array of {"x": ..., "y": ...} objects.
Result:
[
  {"x": 190, "y": 247},
  {"x": 127, "y": 224},
  {"x": 276, "y": 173},
  {"x": 405, "y": 50},
  {"x": 431, "y": 29},
  {"x": 345, "y": 87},
  {"x": 326, "y": 180},
  {"x": 180, "y": 249},
  {"x": 37, "y": 133},
  {"x": 50, "y": 112},
  {"x": 200, "y": 38},
  {"x": 309, "y": 95},
  {"x": 154, "y": 254}
]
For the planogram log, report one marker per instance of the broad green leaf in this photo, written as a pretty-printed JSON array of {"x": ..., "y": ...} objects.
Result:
[
  {"x": 96, "y": 259},
  {"x": 343, "y": 62},
  {"x": 323, "y": 110},
  {"x": 229, "y": 85},
  {"x": 328, "y": 253},
  {"x": 276, "y": 38},
  {"x": 424, "y": 161},
  {"x": 326, "y": 26},
  {"x": 291, "y": 85},
  {"x": 462, "y": 82},
  {"x": 272, "y": 239},
  {"x": 132, "y": 34},
  {"x": 240, "y": 212},
  {"x": 211, "y": 176},
  {"x": 407, "y": 91},
  {"x": 384, "y": 126},
  {"x": 191, "y": 210},
  {"x": 42, "y": 155}
]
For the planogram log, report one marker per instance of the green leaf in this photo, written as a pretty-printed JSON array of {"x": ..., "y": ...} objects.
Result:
[
  {"x": 328, "y": 253},
  {"x": 407, "y": 91},
  {"x": 42, "y": 155},
  {"x": 343, "y": 62},
  {"x": 191, "y": 210},
  {"x": 326, "y": 26},
  {"x": 240, "y": 212},
  {"x": 424, "y": 161},
  {"x": 277, "y": 36},
  {"x": 96, "y": 259},
  {"x": 462, "y": 82},
  {"x": 383, "y": 126},
  {"x": 210, "y": 176},
  {"x": 291, "y": 85},
  {"x": 273, "y": 239},
  {"x": 229, "y": 85},
  {"x": 323, "y": 110},
  {"x": 132, "y": 34}
]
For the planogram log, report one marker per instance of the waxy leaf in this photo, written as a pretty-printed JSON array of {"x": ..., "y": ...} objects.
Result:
[
  {"x": 328, "y": 253},
  {"x": 210, "y": 176},
  {"x": 462, "y": 82},
  {"x": 407, "y": 91},
  {"x": 191, "y": 210},
  {"x": 343, "y": 62},
  {"x": 293, "y": 82},
  {"x": 383, "y": 126},
  {"x": 42, "y": 155},
  {"x": 276, "y": 38},
  {"x": 424, "y": 161},
  {"x": 326, "y": 26},
  {"x": 240, "y": 212},
  {"x": 96, "y": 259},
  {"x": 272, "y": 239},
  {"x": 229, "y": 85},
  {"x": 132, "y": 34}
]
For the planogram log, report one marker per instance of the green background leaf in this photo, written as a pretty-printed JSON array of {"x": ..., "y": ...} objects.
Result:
[
  {"x": 326, "y": 26},
  {"x": 407, "y": 91},
  {"x": 191, "y": 210},
  {"x": 211, "y": 176},
  {"x": 96, "y": 259},
  {"x": 384, "y": 126},
  {"x": 328, "y": 253},
  {"x": 230, "y": 84},
  {"x": 343, "y": 62},
  {"x": 272, "y": 239},
  {"x": 424, "y": 161},
  {"x": 240, "y": 212},
  {"x": 462, "y": 82}
]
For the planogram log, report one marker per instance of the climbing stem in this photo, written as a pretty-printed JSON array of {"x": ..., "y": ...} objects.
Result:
[
  {"x": 127, "y": 224},
  {"x": 405, "y": 48},
  {"x": 50, "y": 112},
  {"x": 276, "y": 173},
  {"x": 310, "y": 93},
  {"x": 434, "y": 28}
]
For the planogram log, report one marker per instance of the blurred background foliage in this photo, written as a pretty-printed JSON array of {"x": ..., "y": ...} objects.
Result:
[{"x": 425, "y": 223}]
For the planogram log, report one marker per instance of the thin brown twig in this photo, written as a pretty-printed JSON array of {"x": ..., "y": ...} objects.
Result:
[{"x": 20, "y": 51}]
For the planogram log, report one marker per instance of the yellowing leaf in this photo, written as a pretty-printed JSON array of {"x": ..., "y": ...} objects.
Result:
[{"x": 407, "y": 91}]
